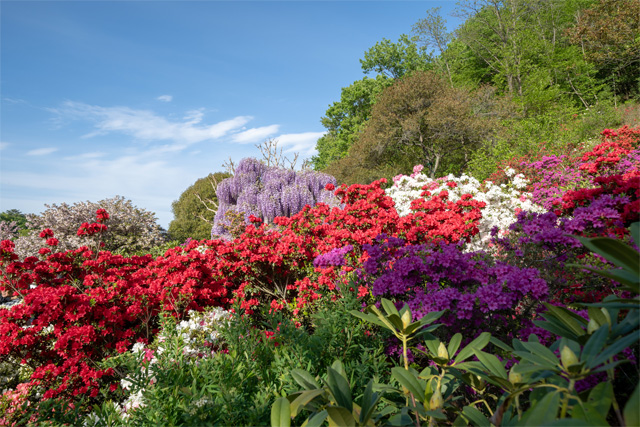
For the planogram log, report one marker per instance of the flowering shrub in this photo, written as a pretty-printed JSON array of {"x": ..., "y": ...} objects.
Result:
[
  {"x": 501, "y": 202},
  {"x": 130, "y": 228},
  {"x": 470, "y": 286},
  {"x": 82, "y": 306}
]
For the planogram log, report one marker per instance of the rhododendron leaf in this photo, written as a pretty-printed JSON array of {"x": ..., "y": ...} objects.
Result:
[
  {"x": 570, "y": 320},
  {"x": 475, "y": 417},
  {"x": 305, "y": 379},
  {"x": 543, "y": 412},
  {"x": 587, "y": 414},
  {"x": 338, "y": 366},
  {"x": 432, "y": 345},
  {"x": 491, "y": 363},
  {"x": 390, "y": 307},
  {"x": 615, "y": 251},
  {"x": 316, "y": 420},
  {"x": 540, "y": 350},
  {"x": 594, "y": 345},
  {"x": 601, "y": 397},
  {"x": 410, "y": 382},
  {"x": 495, "y": 341},
  {"x": 280, "y": 413},
  {"x": 615, "y": 348},
  {"x": 303, "y": 399},
  {"x": 477, "y": 344},
  {"x": 370, "y": 318},
  {"x": 632, "y": 409},
  {"x": 597, "y": 315},
  {"x": 454, "y": 344},
  {"x": 339, "y": 388},
  {"x": 555, "y": 327},
  {"x": 340, "y": 417},
  {"x": 631, "y": 280},
  {"x": 368, "y": 403}
]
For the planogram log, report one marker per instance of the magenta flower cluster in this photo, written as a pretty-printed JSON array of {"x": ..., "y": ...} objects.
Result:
[{"x": 333, "y": 258}]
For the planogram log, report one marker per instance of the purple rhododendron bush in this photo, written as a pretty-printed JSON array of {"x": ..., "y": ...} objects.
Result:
[{"x": 434, "y": 302}]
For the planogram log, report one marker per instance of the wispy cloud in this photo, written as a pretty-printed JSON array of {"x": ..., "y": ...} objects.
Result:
[
  {"x": 147, "y": 125},
  {"x": 303, "y": 143},
  {"x": 255, "y": 134},
  {"x": 165, "y": 98},
  {"x": 41, "y": 151},
  {"x": 4, "y": 145}
]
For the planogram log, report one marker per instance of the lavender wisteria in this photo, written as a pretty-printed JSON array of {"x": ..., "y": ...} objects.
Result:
[
  {"x": 268, "y": 192},
  {"x": 480, "y": 293}
]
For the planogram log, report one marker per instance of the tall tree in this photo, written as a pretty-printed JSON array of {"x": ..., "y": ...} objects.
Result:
[
  {"x": 432, "y": 35},
  {"x": 345, "y": 119},
  {"x": 419, "y": 119},
  {"x": 196, "y": 208},
  {"x": 608, "y": 34}
]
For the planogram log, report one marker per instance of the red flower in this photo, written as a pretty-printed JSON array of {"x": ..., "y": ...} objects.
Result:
[
  {"x": 52, "y": 241},
  {"x": 329, "y": 187},
  {"x": 47, "y": 232},
  {"x": 44, "y": 251},
  {"x": 102, "y": 215}
]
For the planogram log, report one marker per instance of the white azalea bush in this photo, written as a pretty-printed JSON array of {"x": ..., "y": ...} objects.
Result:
[
  {"x": 503, "y": 202},
  {"x": 187, "y": 342}
]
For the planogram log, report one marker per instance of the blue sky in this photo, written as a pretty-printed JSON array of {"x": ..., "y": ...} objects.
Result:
[{"x": 141, "y": 98}]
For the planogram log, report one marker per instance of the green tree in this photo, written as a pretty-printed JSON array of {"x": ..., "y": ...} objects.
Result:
[
  {"x": 14, "y": 215},
  {"x": 395, "y": 60},
  {"x": 195, "y": 209},
  {"x": 345, "y": 119},
  {"x": 608, "y": 35},
  {"x": 420, "y": 119}
]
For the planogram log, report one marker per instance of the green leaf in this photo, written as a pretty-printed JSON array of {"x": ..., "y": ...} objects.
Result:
[
  {"x": 543, "y": 412},
  {"x": 368, "y": 403},
  {"x": 622, "y": 276},
  {"x": 492, "y": 363},
  {"x": 454, "y": 344},
  {"x": 410, "y": 382},
  {"x": 588, "y": 414},
  {"x": 632, "y": 408},
  {"x": 594, "y": 345},
  {"x": 316, "y": 420},
  {"x": 340, "y": 389},
  {"x": 280, "y": 413},
  {"x": 340, "y": 417},
  {"x": 303, "y": 399},
  {"x": 476, "y": 417},
  {"x": 338, "y": 366},
  {"x": 304, "y": 379},
  {"x": 431, "y": 317},
  {"x": 389, "y": 307},
  {"x": 368, "y": 318},
  {"x": 432, "y": 345},
  {"x": 495, "y": 341},
  {"x": 478, "y": 344},
  {"x": 615, "y": 251},
  {"x": 616, "y": 348},
  {"x": 567, "y": 318},
  {"x": 601, "y": 397},
  {"x": 542, "y": 351}
]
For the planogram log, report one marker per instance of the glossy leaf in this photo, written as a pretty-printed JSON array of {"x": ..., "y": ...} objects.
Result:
[
  {"x": 340, "y": 389},
  {"x": 340, "y": 417},
  {"x": 454, "y": 344},
  {"x": 305, "y": 379},
  {"x": 476, "y": 417},
  {"x": 280, "y": 413},
  {"x": 477, "y": 344},
  {"x": 632, "y": 408},
  {"x": 410, "y": 382}
]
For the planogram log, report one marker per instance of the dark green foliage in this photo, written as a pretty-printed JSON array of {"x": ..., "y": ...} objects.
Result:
[{"x": 195, "y": 209}]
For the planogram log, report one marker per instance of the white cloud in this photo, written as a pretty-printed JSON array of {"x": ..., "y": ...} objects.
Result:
[
  {"x": 165, "y": 98},
  {"x": 255, "y": 134},
  {"x": 41, "y": 151},
  {"x": 303, "y": 143},
  {"x": 84, "y": 156},
  {"x": 146, "y": 125},
  {"x": 4, "y": 145}
]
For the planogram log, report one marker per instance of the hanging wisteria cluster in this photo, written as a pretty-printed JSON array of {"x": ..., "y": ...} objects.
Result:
[{"x": 267, "y": 192}]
